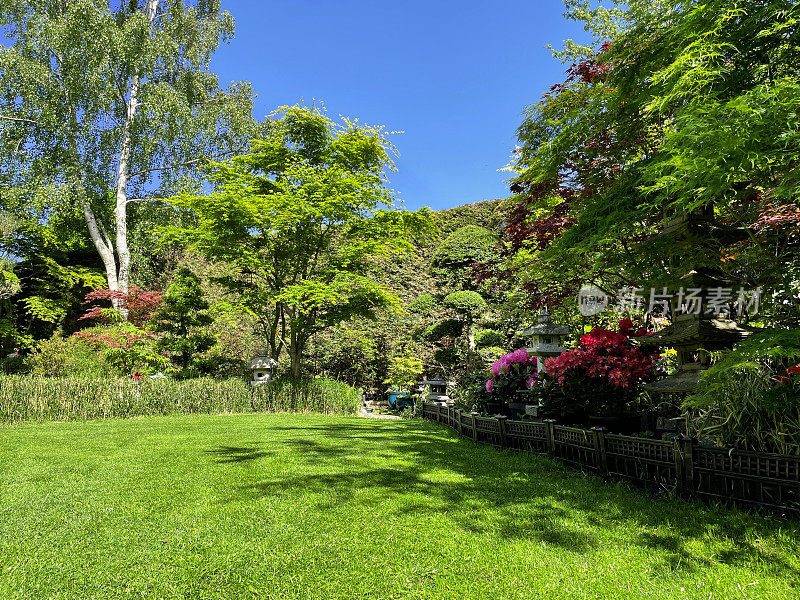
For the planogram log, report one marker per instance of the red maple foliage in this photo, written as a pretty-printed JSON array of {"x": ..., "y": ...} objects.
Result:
[
  {"x": 586, "y": 170},
  {"x": 125, "y": 339},
  {"x": 141, "y": 304}
]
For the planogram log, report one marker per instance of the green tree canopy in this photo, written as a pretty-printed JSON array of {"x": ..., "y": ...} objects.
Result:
[
  {"x": 303, "y": 217},
  {"x": 453, "y": 259},
  {"x": 103, "y": 104},
  {"x": 687, "y": 104}
]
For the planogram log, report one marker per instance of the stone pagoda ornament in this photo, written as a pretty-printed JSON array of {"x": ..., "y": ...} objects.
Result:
[
  {"x": 700, "y": 310},
  {"x": 437, "y": 391},
  {"x": 546, "y": 338},
  {"x": 261, "y": 367}
]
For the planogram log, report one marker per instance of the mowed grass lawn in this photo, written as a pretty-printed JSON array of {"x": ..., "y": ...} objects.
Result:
[{"x": 282, "y": 506}]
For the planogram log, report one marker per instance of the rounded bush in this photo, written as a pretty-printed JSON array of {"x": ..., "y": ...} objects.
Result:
[{"x": 466, "y": 303}]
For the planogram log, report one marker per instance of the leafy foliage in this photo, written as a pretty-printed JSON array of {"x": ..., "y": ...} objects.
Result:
[
  {"x": 103, "y": 104},
  {"x": 126, "y": 348},
  {"x": 453, "y": 259},
  {"x": 603, "y": 374},
  {"x": 510, "y": 373},
  {"x": 468, "y": 305},
  {"x": 140, "y": 305},
  {"x": 750, "y": 398},
  {"x": 183, "y": 312},
  {"x": 301, "y": 216}
]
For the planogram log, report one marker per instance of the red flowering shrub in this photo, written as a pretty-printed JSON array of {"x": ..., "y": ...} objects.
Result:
[
  {"x": 788, "y": 377},
  {"x": 604, "y": 372},
  {"x": 125, "y": 348},
  {"x": 140, "y": 304}
]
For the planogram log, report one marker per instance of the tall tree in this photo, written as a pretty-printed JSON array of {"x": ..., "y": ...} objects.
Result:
[
  {"x": 304, "y": 216},
  {"x": 183, "y": 313},
  {"x": 686, "y": 104},
  {"x": 104, "y": 104}
]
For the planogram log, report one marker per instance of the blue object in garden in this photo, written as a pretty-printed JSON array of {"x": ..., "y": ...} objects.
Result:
[{"x": 399, "y": 400}]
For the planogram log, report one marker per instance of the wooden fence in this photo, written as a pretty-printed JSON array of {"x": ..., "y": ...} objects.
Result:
[{"x": 680, "y": 467}]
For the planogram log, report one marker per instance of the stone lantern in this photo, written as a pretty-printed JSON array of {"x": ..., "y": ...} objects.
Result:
[
  {"x": 546, "y": 338},
  {"x": 694, "y": 331},
  {"x": 438, "y": 391},
  {"x": 261, "y": 367}
]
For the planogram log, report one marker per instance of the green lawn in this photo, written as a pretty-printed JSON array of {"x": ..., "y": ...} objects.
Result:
[{"x": 279, "y": 506}]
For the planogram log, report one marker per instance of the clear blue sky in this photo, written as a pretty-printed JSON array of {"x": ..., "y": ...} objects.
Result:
[{"x": 453, "y": 76}]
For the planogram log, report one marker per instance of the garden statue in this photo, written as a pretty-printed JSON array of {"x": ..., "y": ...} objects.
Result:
[
  {"x": 547, "y": 339},
  {"x": 261, "y": 366},
  {"x": 701, "y": 310},
  {"x": 438, "y": 390}
]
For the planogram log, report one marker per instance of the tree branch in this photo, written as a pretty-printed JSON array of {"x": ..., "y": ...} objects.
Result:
[
  {"x": 17, "y": 119},
  {"x": 183, "y": 164}
]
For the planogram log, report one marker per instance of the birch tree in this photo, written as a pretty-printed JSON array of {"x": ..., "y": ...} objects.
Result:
[{"x": 104, "y": 104}]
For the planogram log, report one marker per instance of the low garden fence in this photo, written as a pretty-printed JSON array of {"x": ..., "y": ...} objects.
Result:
[{"x": 679, "y": 467}]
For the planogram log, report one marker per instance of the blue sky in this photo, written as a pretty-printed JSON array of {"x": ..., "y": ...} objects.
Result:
[{"x": 453, "y": 76}]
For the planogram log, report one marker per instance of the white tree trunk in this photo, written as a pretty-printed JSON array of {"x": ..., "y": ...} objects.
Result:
[{"x": 123, "y": 171}]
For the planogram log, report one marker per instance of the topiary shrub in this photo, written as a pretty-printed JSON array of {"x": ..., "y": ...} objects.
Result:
[
  {"x": 423, "y": 305},
  {"x": 467, "y": 304},
  {"x": 486, "y": 338},
  {"x": 453, "y": 260}
]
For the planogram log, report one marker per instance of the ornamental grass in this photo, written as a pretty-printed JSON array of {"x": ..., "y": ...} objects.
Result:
[{"x": 25, "y": 398}]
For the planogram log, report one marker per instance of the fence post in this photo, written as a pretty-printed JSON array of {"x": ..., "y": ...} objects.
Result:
[
  {"x": 688, "y": 464},
  {"x": 680, "y": 476},
  {"x": 501, "y": 423},
  {"x": 551, "y": 440},
  {"x": 458, "y": 421},
  {"x": 600, "y": 450},
  {"x": 474, "y": 427}
]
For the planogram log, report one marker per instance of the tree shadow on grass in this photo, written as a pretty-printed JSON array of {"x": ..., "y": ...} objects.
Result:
[
  {"x": 238, "y": 454},
  {"x": 530, "y": 497}
]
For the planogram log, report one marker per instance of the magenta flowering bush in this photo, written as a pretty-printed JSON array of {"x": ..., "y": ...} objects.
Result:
[{"x": 512, "y": 372}]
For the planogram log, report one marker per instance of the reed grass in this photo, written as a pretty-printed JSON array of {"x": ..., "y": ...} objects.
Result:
[{"x": 26, "y": 398}]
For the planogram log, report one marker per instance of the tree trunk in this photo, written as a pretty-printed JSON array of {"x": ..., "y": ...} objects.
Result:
[
  {"x": 123, "y": 171},
  {"x": 471, "y": 354},
  {"x": 118, "y": 266}
]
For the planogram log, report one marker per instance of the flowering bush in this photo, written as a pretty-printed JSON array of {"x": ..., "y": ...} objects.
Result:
[
  {"x": 789, "y": 378},
  {"x": 140, "y": 304},
  {"x": 511, "y": 372},
  {"x": 604, "y": 372},
  {"x": 124, "y": 347}
]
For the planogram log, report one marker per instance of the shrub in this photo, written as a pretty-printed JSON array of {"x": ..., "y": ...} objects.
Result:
[
  {"x": 603, "y": 374},
  {"x": 489, "y": 355},
  {"x": 60, "y": 357},
  {"x": 423, "y": 304},
  {"x": 24, "y": 398},
  {"x": 446, "y": 328},
  {"x": 140, "y": 305},
  {"x": 486, "y": 338},
  {"x": 182, "y": 313},
  {"x": 469, "y": 305},
  {"x": 510, "y": 373},
  {"x": 124, "y": 348},
  {"x": 750, "y": 399}
]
